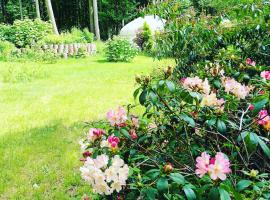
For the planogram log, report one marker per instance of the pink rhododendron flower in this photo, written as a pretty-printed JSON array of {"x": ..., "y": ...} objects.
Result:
[
  {"x": 236, "y": 88},
  {"x": 196, "y": 84},
  {"x": 94, "y": 133},
  {"x": 264, "y": 119},
  {"x": 113, "y": 141},
  {"x": 250, "y": 62},
  {"x": 202, "y": 164},
  {"x": 133, "y": 134},
  {"x": 118, "y": 117},
  {"x": 217, "y": 167},
  {"x": 220, "y": 167},
  {"x": 265, "y": 75}
]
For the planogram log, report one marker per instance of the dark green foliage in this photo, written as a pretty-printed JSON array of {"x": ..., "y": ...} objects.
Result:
[{"x": 120, "y": 49}]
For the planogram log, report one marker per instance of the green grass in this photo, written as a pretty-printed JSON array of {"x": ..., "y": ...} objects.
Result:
[{"x": 42, "y": 121}]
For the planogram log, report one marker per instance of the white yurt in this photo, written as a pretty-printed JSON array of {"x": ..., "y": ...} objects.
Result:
[{"x": 130, "y": 30}]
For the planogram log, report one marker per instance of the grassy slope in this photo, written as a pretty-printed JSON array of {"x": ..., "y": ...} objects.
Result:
[{"x": 41, "y": 123}]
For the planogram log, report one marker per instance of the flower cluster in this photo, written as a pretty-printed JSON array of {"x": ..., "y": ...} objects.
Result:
[
  {"x": 118, "y": 117},
  {"x": 265, "y": 75},
  {"x": 212, "y": 101},
  {"x": 264, "y": 119},
  {"x": 235, "y": 88},
  {"x": 105, "y": 179},
  {"x": 196, "y": 84},
  {"x": 250, "y": 62},
  {"x": 217, "y": 167},
  {"x": 94, "y": 134}
]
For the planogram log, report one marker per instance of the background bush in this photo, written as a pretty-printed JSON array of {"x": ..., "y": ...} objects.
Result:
[
  {"x": 27, "y": 32},
  {"x": 75, "y": 36},
  {"x": 6, "y": 49},
  {"x": 144, "y": 38},
  {"x": 120, "y": 49}
]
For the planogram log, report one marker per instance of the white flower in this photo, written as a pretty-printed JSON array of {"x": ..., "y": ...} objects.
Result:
[
  {"x": 104, "y": 143},
  {"x": 101, "y": 161},
  {"x": 99, "y": 176},
  {"x": 86, "y": 175},
  {"x": 111, "y": 174},
  {"x": 117, "y": 161},
  {"x": 102, "y": 188},
  {"x": 123, "y": 174},
  {"x": 83, "y": 145},
  {"x": 116, "y": 186}
]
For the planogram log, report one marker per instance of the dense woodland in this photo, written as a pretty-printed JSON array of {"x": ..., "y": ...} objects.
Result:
[{"x": 76, "y": 13}]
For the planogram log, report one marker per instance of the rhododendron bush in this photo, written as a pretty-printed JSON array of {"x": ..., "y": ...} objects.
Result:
[
  {"x": 197, "y": 140},
  {"x": 205, "y": 131}
]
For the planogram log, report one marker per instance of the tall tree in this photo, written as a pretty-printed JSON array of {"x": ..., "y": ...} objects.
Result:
[
  {"x": 91, "y": 16},
  {"x": 21, "y": 11},
  {"x": 95, "y": 7},
  {"x": 37, "y": 9},
  {"x": 51, "y": 16}
]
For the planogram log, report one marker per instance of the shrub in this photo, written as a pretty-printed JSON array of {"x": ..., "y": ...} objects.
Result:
[
  {"x": 35, "y": 54},
  {"x": 28, "y": 32},
  {"x": 75, "y": 36},
  {"x": 144, "y": 38},
  {"x": 120, "y": 49},
  {"x": 89, "y": 37},
  {"x": 4, "y": 31},
  {"x": 6, "y": 49},
  {"x": 205, "y": 132}
]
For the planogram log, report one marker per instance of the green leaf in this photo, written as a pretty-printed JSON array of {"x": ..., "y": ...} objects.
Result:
[
  {"x": 241, "y": 185},
  {"x": 264, "y": 147},
  {"x": 221, "y": 126},
  {"x": 153, "y": 173},
  {"x": 211, "y": 122},
  {"x": 149, "y": 193},
  {"x": 170, "y": 86},
  {"x": 187, "y": 119},
  {"x": 162, "y": 184},
  {"x": 126, "y": 133},
  {"x": 136, "y": 92},
  {"x": 190, "y": 194},
  {"x": 153, "y": 97},
  {"x": 214, "y": 194},
  {"x": 142, "y": 97},
  {"x": 178, "y": 178},
  {"x": 260, "y": 104},
  {"x": 224, "y": 195}
]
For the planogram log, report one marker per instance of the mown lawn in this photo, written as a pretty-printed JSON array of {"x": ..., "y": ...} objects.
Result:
[{"x": 41, "y": 122}]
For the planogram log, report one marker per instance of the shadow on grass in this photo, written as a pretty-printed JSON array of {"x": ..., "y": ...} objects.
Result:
[{"x": 47, "y": 157}]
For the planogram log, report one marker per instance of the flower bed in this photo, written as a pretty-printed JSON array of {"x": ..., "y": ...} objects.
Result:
[{"x": 194, "y": 141}]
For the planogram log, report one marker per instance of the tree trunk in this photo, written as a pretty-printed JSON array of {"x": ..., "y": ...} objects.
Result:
[
  {"x": 21, "y": 11},
  {"x": 91, "y": 16},
  {"x": 37, "y": 9},
  {"x": 51, "y": 16},
  {"x": 96, "y": 19}
]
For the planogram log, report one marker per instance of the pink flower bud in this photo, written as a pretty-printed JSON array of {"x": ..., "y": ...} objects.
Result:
[
  {"x": 87, "y": 154},
  {"x": 168, "y": 168},
  {"x": 133, "y": 134},
  {"x": 251, "y": 107}
]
